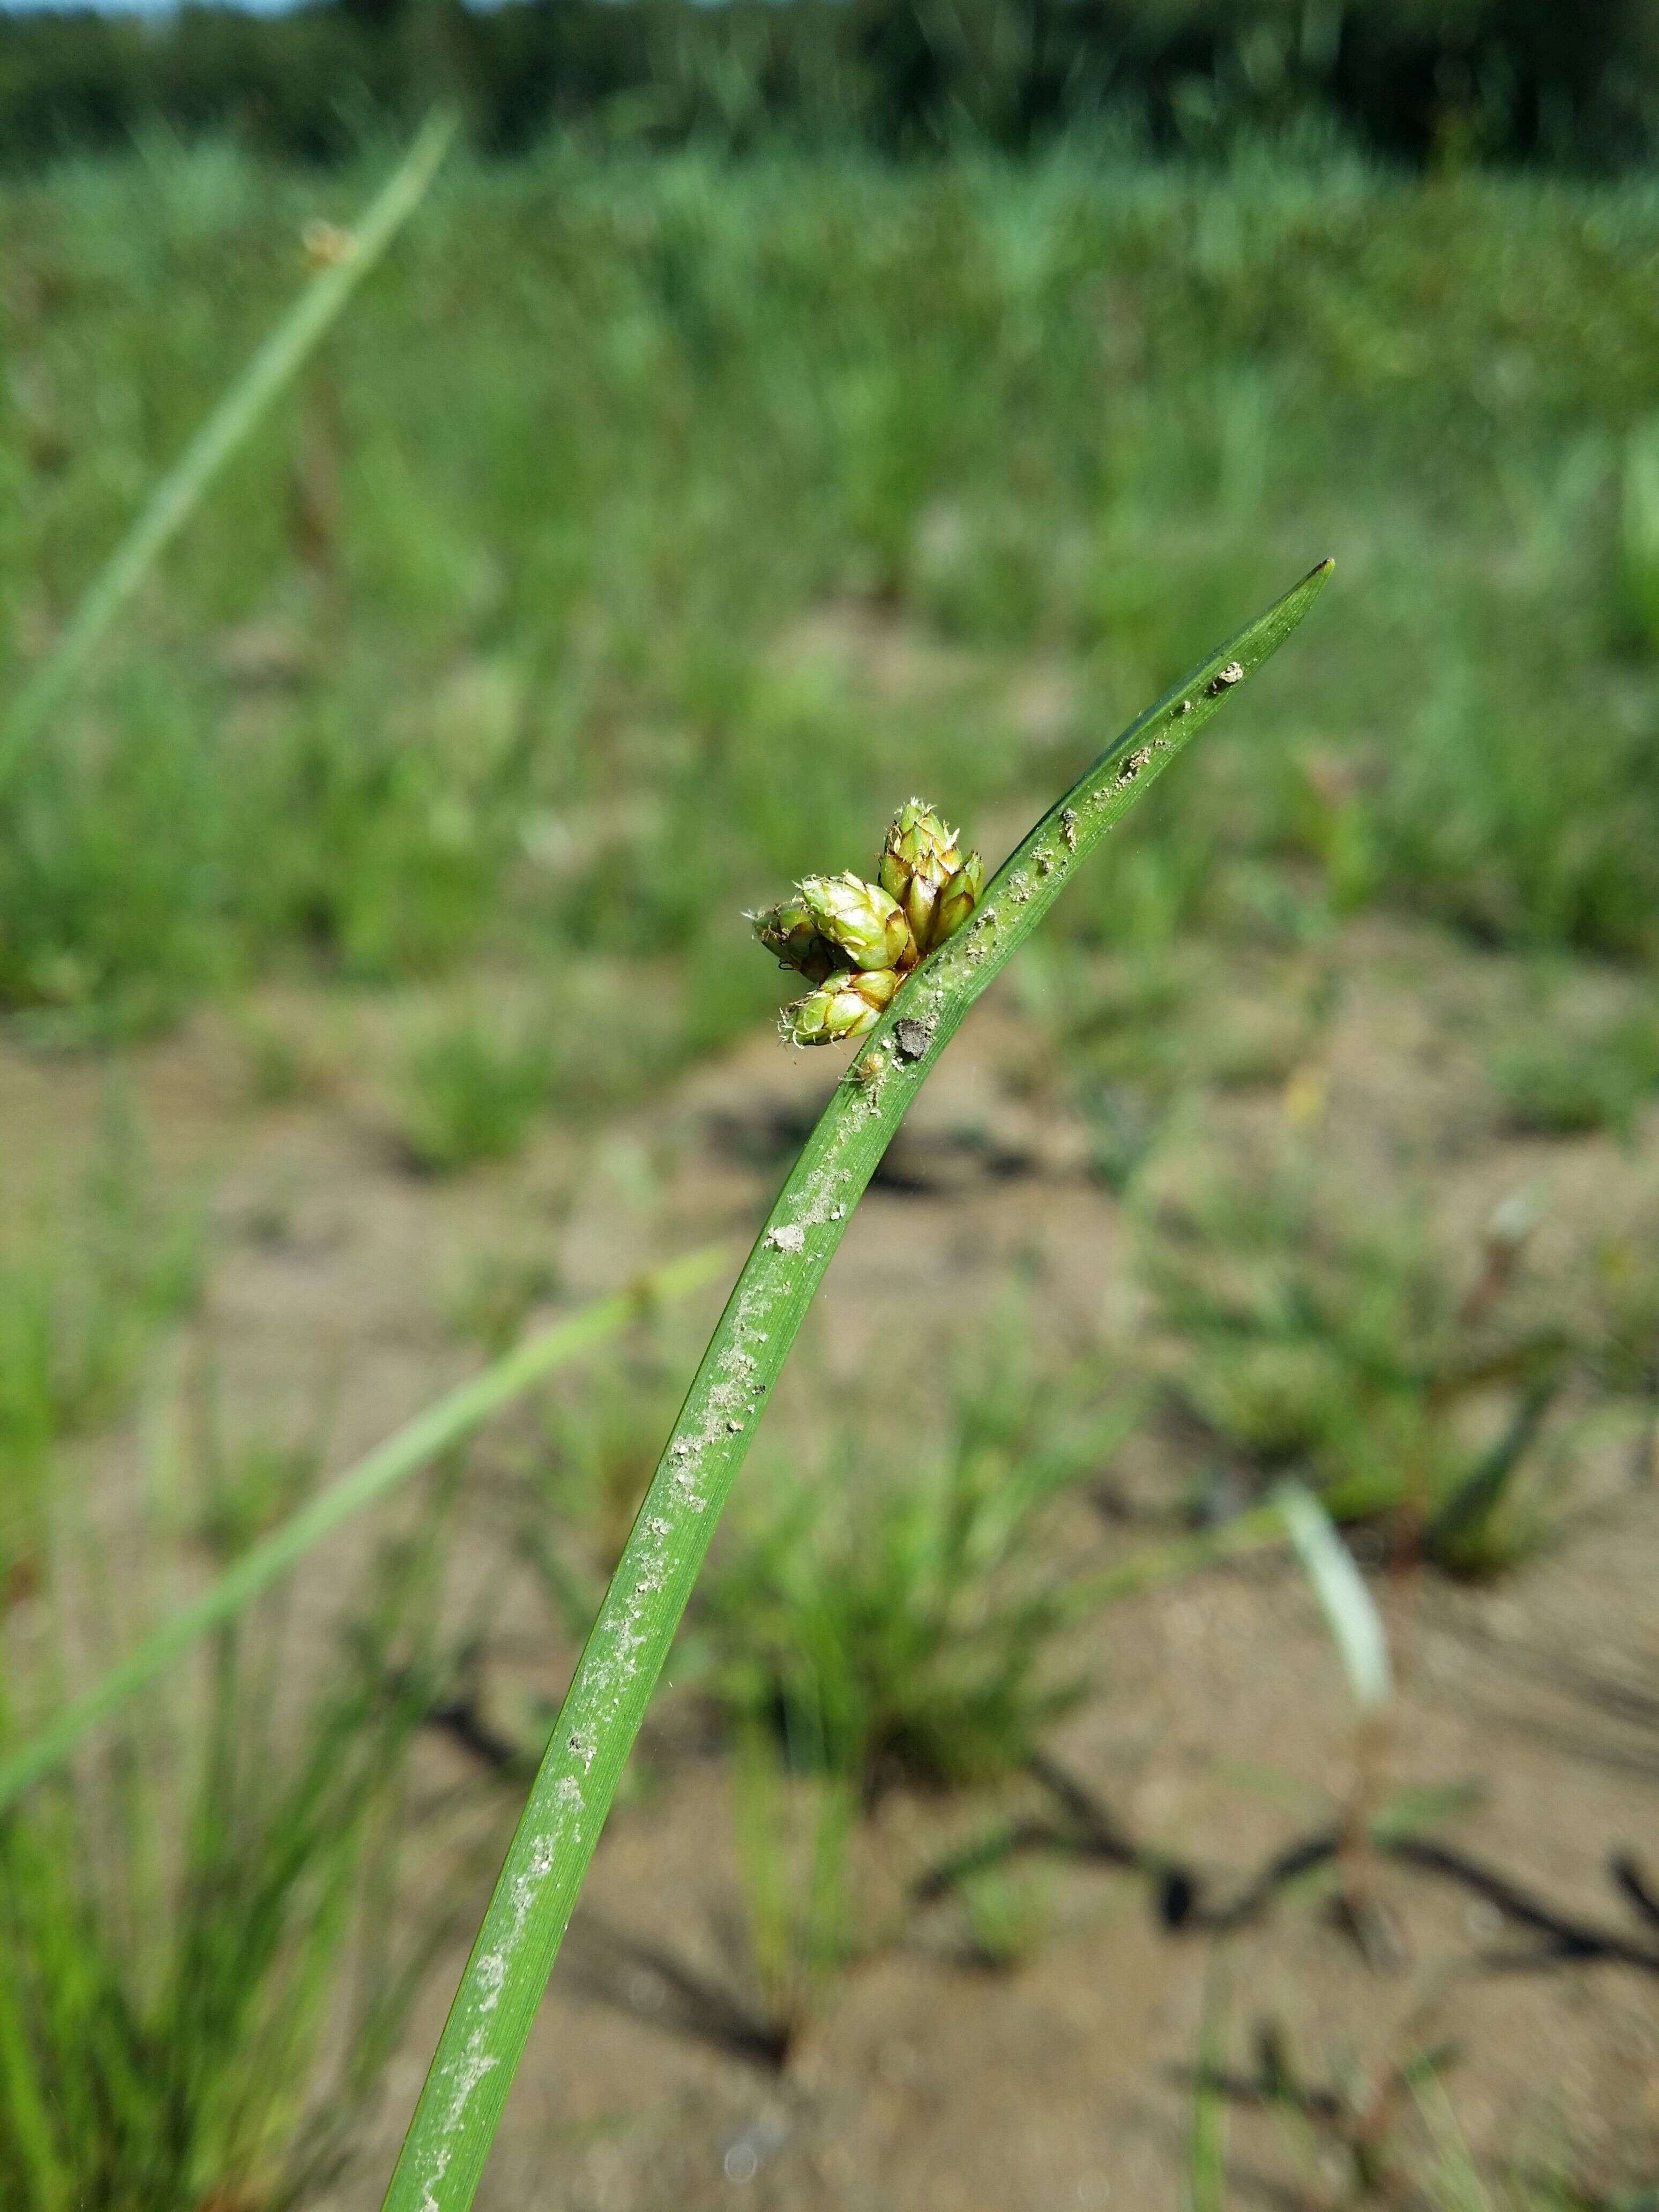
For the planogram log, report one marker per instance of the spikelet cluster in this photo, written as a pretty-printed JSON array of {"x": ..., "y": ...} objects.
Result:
[{"x": 856, "y": 942}]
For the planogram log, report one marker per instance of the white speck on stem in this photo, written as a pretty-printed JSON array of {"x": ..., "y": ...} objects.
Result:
[{"x": 787, "y": 1236}]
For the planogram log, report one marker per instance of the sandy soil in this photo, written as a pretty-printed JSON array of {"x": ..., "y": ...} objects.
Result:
[{"x": 1219, "y": 1732}]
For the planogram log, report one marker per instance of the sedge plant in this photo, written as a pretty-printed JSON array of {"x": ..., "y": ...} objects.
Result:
[{"x": 466, "y": 2091}]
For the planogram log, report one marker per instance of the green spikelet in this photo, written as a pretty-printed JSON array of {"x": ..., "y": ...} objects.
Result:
[
  {"x": 958, "y": 898},
  {"x": 860, "y": 920},
  {"x": 789, "y": 932},
  {"x": 846, "y": 1007},
  {"x": 920, "y": 863}
]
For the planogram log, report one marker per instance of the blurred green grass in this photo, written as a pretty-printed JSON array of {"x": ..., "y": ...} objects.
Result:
[
  {"x": 653, "y": 524},
  {"x": 648, "y": 530}
]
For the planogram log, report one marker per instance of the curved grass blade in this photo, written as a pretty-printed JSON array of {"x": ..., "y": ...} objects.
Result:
[
  {"x": 454, "y": 2121},
  {"x": 416, "y": 1445},
  {"x": 1349, "y": 1614},
  {"x": 176, "y": 497}
]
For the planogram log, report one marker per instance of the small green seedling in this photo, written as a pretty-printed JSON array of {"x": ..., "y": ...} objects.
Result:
[
  {"x": 1009, "y": 1912},
  {"x": 794, "y": 1844},
  {"x": 1355, "y": 1358},
  {"x": 468, "y": 1094}
]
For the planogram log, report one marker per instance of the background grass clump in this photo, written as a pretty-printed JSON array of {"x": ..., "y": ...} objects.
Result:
[
  {"x": 90, "y": 1277},
  {"x": 899, "y": 1621},
  {"x": 202, "y": 1969},
  {"x": 526, "y": 626}
]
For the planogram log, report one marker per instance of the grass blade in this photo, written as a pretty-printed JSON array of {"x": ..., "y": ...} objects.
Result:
[
  {"x": 176, "y": 498},
  {"x": 1206, "y": 2142},
  {"x": 1456, "y": 1534},
  {"x": 1356, "y": 1625},
  {"x": 454, "y": 2121},
  {"x": 402, "y": 1455}
]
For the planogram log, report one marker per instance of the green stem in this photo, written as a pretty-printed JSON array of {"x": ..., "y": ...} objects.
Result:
[
  {"x": 176, "y": 498},
  {"x": 454, "y": 2121},
  {"x": 416, "y": 1445}
]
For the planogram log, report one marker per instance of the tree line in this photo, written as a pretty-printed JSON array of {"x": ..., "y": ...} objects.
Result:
[{"x": 1417, "y": 81}]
